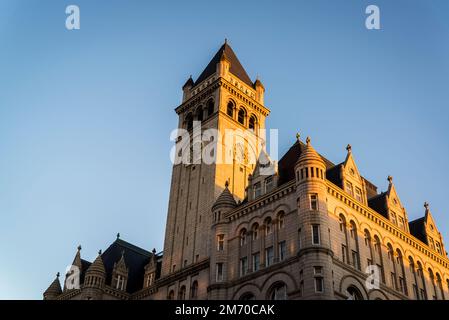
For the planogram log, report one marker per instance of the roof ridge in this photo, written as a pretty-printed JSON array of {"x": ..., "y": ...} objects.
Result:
[{"x": 133, "y": 247}]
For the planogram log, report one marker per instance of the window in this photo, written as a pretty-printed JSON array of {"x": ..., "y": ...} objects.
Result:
[
  {"x": 438, "y": 246},
  {"x": 269, "y": 256},
  {"x": 247, "y": 296},
  {"x": 349, "y": 188},
  {"x": 230, "y": 109},
  {"x": 354, "y": 293},
  {"x": 358, "y": 194},
  {"x": 241, "y": 116},
  {"x": 315, "y": 234},
  {"x": 243, "y": 237},
  {"x": 220, "y": 242},
  {"x": 256, "y": 261},
  {"x": 367, "y": 238},
  {"x": 344, "y": 253},
  {"x": 255, "y": 231},
  {"x": 257, "y": 190},
  {"x": 415, "y": 292},
  {"x": 171, "y": 295},
  {"x": 150, "y": 279},
  {"x": 401, "y": 223},
  {"x": 174, "y": 268},
  {"x": 402, "y": 285},
  {"x": 319, "y": 284},
  {"x": 314, "y": 202},
  {"x": 355, "y": 260},
  {"x": 268, "y": 226},
  {"x": 210, "y": 107},
  {"x": 432, "y": 243},
  {"x": 194, "y": 290},
  {"x": 182, "y": 293},
  {"x": 317, "y": 270},
  {"x": 393, "y": 217},
  {"x": 299, "y": 239},
  {"x": 120, "y": 282},
  {"x": 243, "y": 266},
  {"x": 281, "y": 217},
  {"x": 189, "y": 121},
  {"x": 252, "y": 123},
  {"x": 282, "y": 250},
  {"x": 393, "y": 281},
  {"x": 219, "y": 272},
  {"x": 199, "y": 113},
  {"x": 353, "y": 230},
  {"x": 342, "y": 223},
  {"x": 269, "y": 184},
  {"x": 279, "y": 292}
]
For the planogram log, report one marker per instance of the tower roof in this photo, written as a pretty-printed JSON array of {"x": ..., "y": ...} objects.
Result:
[
  {"x": 235, "y": 66},
  {"x": 54, "y": 289},
  {"x": 225, "y": 199},
  {"x": 97, "y": 266},
  {"x": 309, "y": 153}
]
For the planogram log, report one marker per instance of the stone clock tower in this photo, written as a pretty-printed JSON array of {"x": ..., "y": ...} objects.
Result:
[{"x": 225, "y": 99}]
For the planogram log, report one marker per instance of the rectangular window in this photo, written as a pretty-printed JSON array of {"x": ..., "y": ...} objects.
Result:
[
  {"x": 269, "y": 184},
  {"x": 313, "y": 202},
  {"x": 219, "y": 272},
  {"x": 358, "y": 194},
  {"x": 319, "y": 286},
  {"x": 401, "y": 223},
  {"x": 282, "y": 250},
  {"x": 257, "y": 190},
  {"x": 355, "y": 260},
  {"x": 220, "y": 242},
  {"x": 415, "y": 292},
  {"x": 393, "y": 281},
  {"x": 243, "y": 266},
  {"x": 402, "y": 285},
  {"x": 315, "y": 234},
  {"x": 299, "y": 239},
  {"x": 344, "y": 253},
  {"x": 256, "y": 261},
  {"x": 393, "y": 217},
  {"x": 432, "y": 243},
  {"x": 438, "y": 247},
  {"x": 269, "y": 256},
  {"x": 318, "y": 270},
  {"x": 423, "y": 294},
  {"x": 349, "y": 188},
  {"x": 302, "y": 174}
]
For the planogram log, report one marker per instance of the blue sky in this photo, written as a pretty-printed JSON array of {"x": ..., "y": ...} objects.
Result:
[{"x": 85, "y": 115}]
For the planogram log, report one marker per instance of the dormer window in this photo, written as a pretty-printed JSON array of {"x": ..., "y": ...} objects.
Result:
[
  {"x": 257, "y": 190},
  {"x": 393, "y": 217},
  {"x": 358, "y": 194},
  {"x": 119, "y": 282},
  {"x": 269, "y": 184},
  {"x": 401, "y": 223},
  {"x": 349, "y": 188}
]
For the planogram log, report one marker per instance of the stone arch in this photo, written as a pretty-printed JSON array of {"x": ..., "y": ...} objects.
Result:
[
  {"x": 277, "y": 277},
  {"x": 348, "y": 281},
  {"x": 282, "y": 207},
  {"x": 246, "y": 288},
  {"x": 377, "y": 295}
]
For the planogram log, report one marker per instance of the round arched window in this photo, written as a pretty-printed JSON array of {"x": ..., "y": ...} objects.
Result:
[
  {"x": 278, "y": 292},
  {"x": 354, "y": 293}
]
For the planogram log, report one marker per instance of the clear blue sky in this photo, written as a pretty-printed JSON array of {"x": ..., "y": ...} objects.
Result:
[{"x": 85, "y": 115}]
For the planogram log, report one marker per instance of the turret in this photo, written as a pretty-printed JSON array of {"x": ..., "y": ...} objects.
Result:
[
  {"x": 315, "y": 251},
  {"x": 260, "y": 90},
  {"x": 186, "y": 88},
  {"x": 54, "y": 290},
  {"x": 95, "y": 279}
]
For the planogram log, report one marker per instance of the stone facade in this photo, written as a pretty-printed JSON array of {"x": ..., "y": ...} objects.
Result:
[{"x": 310, "y": 229}]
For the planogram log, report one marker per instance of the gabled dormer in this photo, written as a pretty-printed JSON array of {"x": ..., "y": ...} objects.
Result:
[
  {"x": 264, "y": 177},
  {"x": 434, "y": 238},
  {"x": 353, "y": 183},
  {"x": 120, "y": 274},
  {"x": 150, "y": 271},
  {"x": 396, "y": 212}
]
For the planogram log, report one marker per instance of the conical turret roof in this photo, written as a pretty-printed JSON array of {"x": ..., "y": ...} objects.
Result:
[
  {"x": 54, "y": 289},
  {"x": 309, "y": 153},
  {"x": 225, "y": 200},
  {"x": 97, "y": 266}
]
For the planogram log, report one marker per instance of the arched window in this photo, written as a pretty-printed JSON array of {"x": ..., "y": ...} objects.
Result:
[
  {"x": 420, "y": 273},
  {"x": 255, "y": 231},
  {"x": 390, "y": 252},
  {"x": 210, "y": 107},
  {"x": 189, "y": 121},
  {"x": 278, "y": 292},
  {"x": 267, "y": 226},
  {"x": 281, "y": 218},
  {"x": 367, "y": 238},
  {"x": 354, "y": 293},
  {"x": 252, "y": 122},
  {"x": 247, "y": 296},
  {"x": 353, "y": 229},
  {"x": 199, "y": 113},
  {"x": 401, "y": 272},
  {"x": 440, "y": 286},
  {"x": 342, "y": 222},
  {"x": 194, "y": 290},
  {"x": 230, "y": 109},
  {"x": 241, "y": 116},
  {"x": 182, "y": 293},
  {"x": 171, "y": 295},
  {"x": 242, "y": 237},
  {"x": 432, "y": 281}
]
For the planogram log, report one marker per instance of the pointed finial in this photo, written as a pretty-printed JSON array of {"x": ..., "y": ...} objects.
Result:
[
  {"x": 99, "y": 252},
  {"x": 226, "y": 41},
  {"x": 298, "y": 135},
  {"x": 57, "y": 275},
  {"x": 426, "y": 205},
  {"x": 79, "y": 248},
  {"x": 154, "y": 251},
  {"x": 308, "y": 141},
  {"x": 390, "y": 179},
  {"x": 118, "y": 235},
  {"x": 227, "y": 183},
  {"x": 349, "y": 148}
]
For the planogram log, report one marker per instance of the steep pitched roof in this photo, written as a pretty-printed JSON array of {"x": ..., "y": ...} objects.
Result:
[
  {"x": 418, "y": 230},
  {"x": 135, "y": 259},
  {"x": 225, "y": 199},
  {"x": 379, "y": 204},
  {"x": 54, "y": 289},
  {"x": 236, "y": 68}
]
